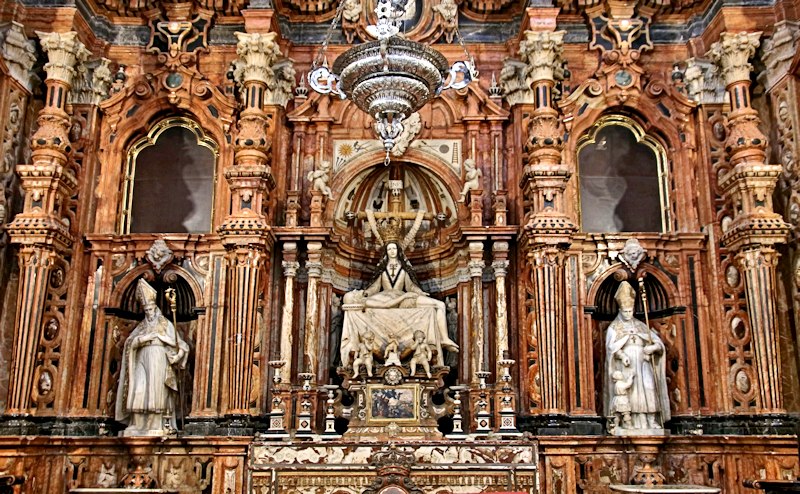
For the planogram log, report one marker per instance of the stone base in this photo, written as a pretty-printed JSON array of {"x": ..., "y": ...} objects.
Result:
[
  {"x": 664, "y": 489},
  {"x": 639, "y": 432},
  {"x": 350, "y": 466}
]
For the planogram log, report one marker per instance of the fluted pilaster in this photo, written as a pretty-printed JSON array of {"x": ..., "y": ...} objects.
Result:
[
  {"x": 758, "y": 267},
  {"x": 548, "y": 283}
]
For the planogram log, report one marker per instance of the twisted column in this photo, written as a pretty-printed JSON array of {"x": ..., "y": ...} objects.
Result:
[
  {"x": 39, "y": 229},
  {"x": 755, "y": 228}
]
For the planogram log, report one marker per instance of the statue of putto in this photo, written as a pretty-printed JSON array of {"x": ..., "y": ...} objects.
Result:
[
  {"x": 147, "y": 393},
  {"x": 393, "y": 313},
  {"x": 636, "y": 399}
]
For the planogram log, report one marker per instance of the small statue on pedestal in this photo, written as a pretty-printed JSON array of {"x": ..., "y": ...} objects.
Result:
[
  {"x": 422, "y": 354},
  {"x": 365, "y": 347}
]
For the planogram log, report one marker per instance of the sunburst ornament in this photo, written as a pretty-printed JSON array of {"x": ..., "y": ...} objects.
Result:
[{"x": 389, "y": 78}]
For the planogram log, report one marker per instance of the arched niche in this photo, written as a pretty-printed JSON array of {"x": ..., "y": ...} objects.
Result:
[
  {"x": 424, "y": 188},
  {"x": 623, "y": 178},
  {"x": 662, "y": 314},
  {"x": 128, "y": 313},
  {"x": 168, "y": 185}
]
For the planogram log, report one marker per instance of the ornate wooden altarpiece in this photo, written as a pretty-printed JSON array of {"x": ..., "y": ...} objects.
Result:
[{"x": 528, "y": 292}]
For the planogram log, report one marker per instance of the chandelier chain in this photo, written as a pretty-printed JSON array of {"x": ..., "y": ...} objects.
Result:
[
  {"x": 319, "y": 59},
  {"x": 461, "y": 43}
]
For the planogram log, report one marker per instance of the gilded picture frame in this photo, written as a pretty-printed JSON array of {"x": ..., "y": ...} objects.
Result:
[{"x": 387, "y": 404}]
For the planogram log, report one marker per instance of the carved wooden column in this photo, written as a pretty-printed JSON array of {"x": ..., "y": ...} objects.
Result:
[
  {"x": 246, "y": 232},
  {"x": 310, "y": 346},
  {"x": 290, "y": 267},
  {"x": 755, "y": 227},
  {"x": 19, "y": 56},
  {"x": 548, "y": 228},
  {"x": 40, "y": 230},
  {"x": 783, "y": 89}
]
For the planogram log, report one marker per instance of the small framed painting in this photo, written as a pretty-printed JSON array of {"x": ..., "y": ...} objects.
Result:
[{"x": 392, "y": 403}]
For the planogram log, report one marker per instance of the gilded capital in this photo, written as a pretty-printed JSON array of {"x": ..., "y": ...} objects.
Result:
[
  {"x": 64, "y": 53},
  {"x": 541, "y": 51},
  {"x": 779, "y": 51},
  {"x": 257, "y": 54},
  {"x": 19, "y": 53},
  {"x": 732, "y": 52}
]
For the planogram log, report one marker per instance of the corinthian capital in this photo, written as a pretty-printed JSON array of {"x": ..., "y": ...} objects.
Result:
[
  {"x": 732, "y": 53},
  {"x": 779, "y": 51},
  {"x": 64, "y": 53},
  {"x": 542, "y": 52},
  {"x": 703, "y": 82},
  {"x": 19, "y": 53},
  {"x": 257, "y": 54}
]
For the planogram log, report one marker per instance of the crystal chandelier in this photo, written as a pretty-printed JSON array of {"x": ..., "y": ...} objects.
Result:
[{"x": 389, "y": 78}]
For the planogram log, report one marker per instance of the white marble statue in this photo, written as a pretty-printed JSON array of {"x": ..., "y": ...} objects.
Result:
[
  {"x": 422, "y": 354},
  {"x": 636, "y": 399},
  {"x": 148, "y": 385},
  {"x": 393, "y": 307},
  {"x": 472, "y": 178},
  {"x": 319, "y": 179}
]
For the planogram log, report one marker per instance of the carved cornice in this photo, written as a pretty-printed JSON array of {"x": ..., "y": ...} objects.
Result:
[
  {"x": 779, "y": 52},
  {"x": 64, "y": 52},
  {"x": 19, "y": 54},
  {"x": 732, "y": 52},
  {"x": 703, "y": 82}
]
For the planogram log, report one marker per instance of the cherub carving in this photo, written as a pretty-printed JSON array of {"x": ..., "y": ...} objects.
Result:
[
  {"x": 422, "y": 354},
  {"x": 364, "y": 357},
  {"x": 319, "y": 179},
  {"x": 107, "y": 477},
  {"x": 472, "y": 178}
]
